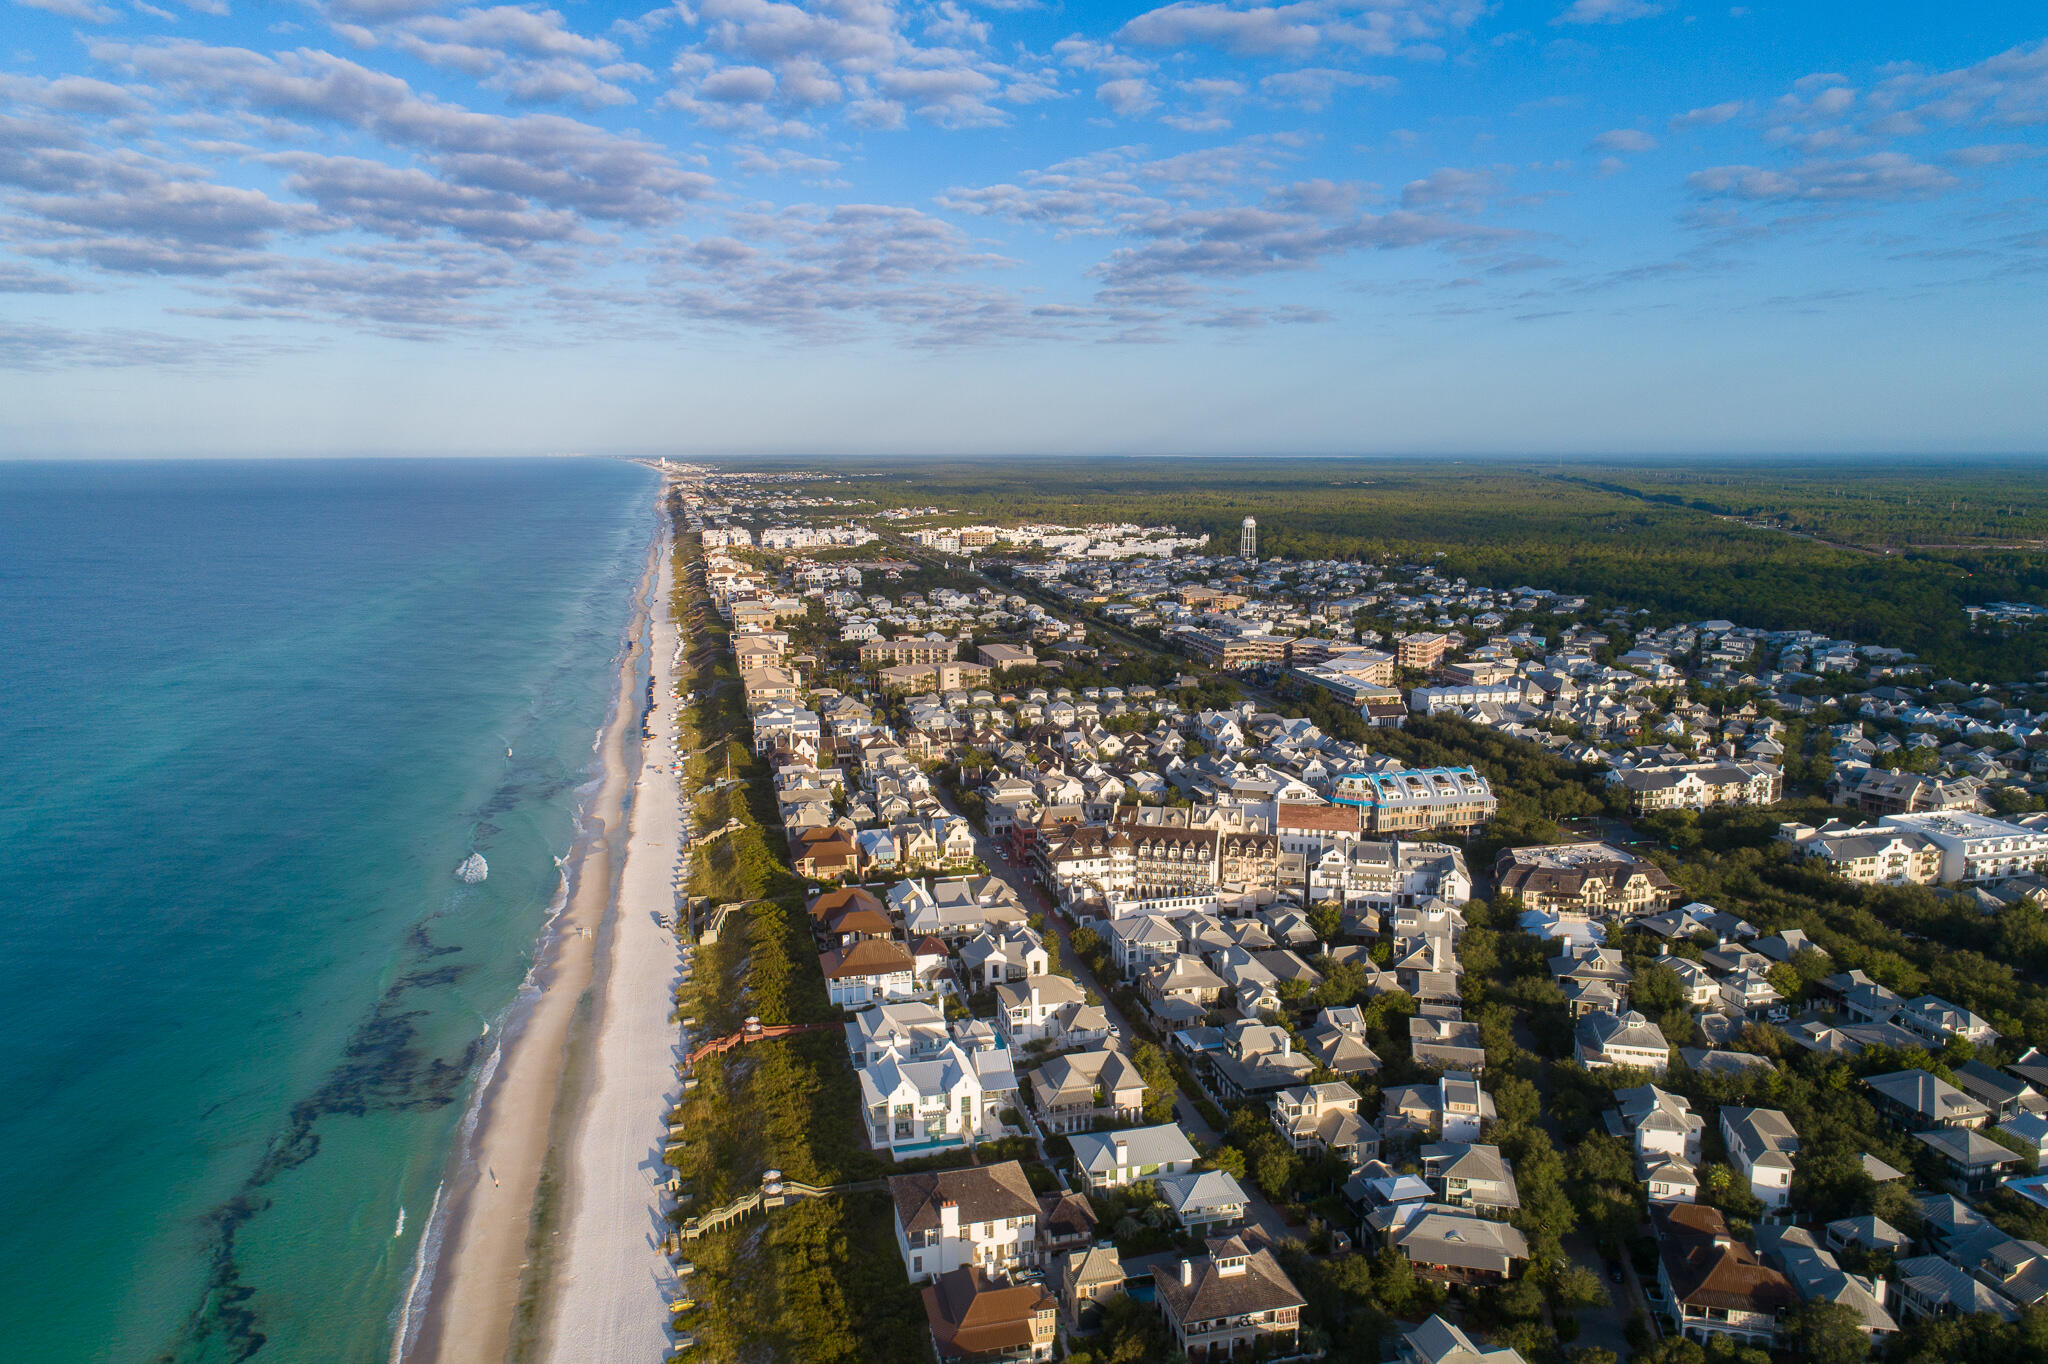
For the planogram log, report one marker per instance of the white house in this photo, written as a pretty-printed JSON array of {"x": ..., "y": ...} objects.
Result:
[
  {"x": 984, "y": 1215},
  {"x": 1048, "y": 1009},
  {"x": 1761, "y": 1144},
  {"x": 1609, "y": 1040},
  {"x": 916, "y": 1107},
  {"x": 906, "y": 1030},
  {"x": 869, "y": 971},
  {"x": 1660, "y": 1123},
  {"x": 1003, "y": 953},
  {"x": 1109, "y": 1160},
  {"x": 1204, "y": 1201}
]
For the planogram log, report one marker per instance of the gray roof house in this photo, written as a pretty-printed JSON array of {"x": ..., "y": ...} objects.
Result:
[
  {"x": 1204, "y": 1200},
  {"x": 1111, "y": 1159}
]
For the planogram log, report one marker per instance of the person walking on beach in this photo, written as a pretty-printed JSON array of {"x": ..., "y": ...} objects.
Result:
[{"x": 493, "y": 1174}]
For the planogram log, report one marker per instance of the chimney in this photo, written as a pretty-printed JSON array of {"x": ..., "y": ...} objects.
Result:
[
  {"x": 1187, "y": 1274},
  {"x": 949, "y": 1219},
  {"x": 1286, "y": 1044}
]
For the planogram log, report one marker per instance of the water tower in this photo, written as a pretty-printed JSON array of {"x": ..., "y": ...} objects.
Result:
[{"x": 1248, "y": 543}]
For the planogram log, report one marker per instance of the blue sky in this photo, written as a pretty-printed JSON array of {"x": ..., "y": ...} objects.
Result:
[{"x": 874, "y": 226}]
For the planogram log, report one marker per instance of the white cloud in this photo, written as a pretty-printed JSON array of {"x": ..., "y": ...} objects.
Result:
[
  {"x": 1101, "y": 58},
  {"x": 1128, "y": 98},
  {"x": 1608, "y": 11},
  {"x": 1711, "y": 114},
  {"x": 1293, "y": 28},
  {"x": 1461, "y": 191},
  {"x": 83, "y": 11},
  {"x": 1881, "y": 176},
  {"x": 1624, "y": 140},
  {"x": 738, "y": 85},
  {"x": 1311, "y": 87}
]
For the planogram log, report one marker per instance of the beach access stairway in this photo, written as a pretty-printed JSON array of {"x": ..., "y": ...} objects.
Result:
[
  {"x": 754, "y": 1030},
  {"x": 775, "y": 1191}
]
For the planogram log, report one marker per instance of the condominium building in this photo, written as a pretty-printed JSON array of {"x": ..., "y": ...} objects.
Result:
[
  {"x": 885, "y": 653},
  {"x": 1699, "y": 786},
  {"x": 1409, "y": 800}
]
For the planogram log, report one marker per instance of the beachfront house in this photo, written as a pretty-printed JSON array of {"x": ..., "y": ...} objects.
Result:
[
  {"x": 917, "y": 1106},
  {"x": 983, "y": 1215},
  {"x": 869, "y": 971}
]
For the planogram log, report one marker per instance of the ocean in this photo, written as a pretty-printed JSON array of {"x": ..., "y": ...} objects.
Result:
[{"x": 253, "y": 715}]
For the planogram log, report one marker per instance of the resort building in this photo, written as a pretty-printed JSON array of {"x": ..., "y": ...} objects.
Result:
[
  {"x": 1361, "y": 874},
  {"x": 886, "y": 653},
  {"x": 1977, "y": 847},
  {"x": 1873, "y": 855},
  {"x": 1594, "y": 879},
  {"x": 1699, "y": 786},
  {"x": 1421, "y": 651},
  {"x": 1411, "y": 800}
]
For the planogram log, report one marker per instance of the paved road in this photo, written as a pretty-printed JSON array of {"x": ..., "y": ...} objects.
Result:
[
  {"x": 1260, "y": 1212},
  {"x": 1605, "y": 1327}
]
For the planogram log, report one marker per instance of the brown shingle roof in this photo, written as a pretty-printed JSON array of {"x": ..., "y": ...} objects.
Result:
[
  {"x": 1329, "y": 818},
  {"x": 1262, "y": 1287},
  {"x": 1708, "y": 1267},
  {"x": 868, "y": 957},
  {"x": 970, "y": 1315},
  {"x": 1061, "y": 1215},
  {"x": 847, "y": 897},
  {"x": 983, "y": 1194}
]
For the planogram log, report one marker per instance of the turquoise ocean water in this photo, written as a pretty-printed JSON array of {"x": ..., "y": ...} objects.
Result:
[{"x": 252, "y": 716}]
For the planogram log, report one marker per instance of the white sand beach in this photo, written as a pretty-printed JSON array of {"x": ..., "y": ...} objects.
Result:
[{"x": 610, "y": 1297}]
